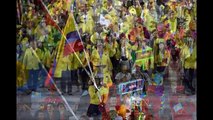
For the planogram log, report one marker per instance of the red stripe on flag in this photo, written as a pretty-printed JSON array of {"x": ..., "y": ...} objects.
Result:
[{"x": 77, "y": 46}]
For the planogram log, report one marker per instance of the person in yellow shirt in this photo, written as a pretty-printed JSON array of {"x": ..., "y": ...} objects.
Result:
[
  {"x": 66, "y": 67},
  {"x": 100, "y": 57},
  {"x": 126, "y": 50},
  {"x": 45, "y": 57},
  {"x": 160, "y": 39},
  {"x": 87, "y": 23},
  {"x": 188, "y": 58},
  {"x": 112, "y": 46},
  {"x": 188, "y": 18},
  {"x": 148, "y": 19},
  {"x": 31, "y": 64},
  {"x": 42, "y": 73},
  {"x": 162, "y": 57},
  {"x": 137, "y": 31},
  {"x": 173, "y": 23},
  {"x": 93, "y": 110}
]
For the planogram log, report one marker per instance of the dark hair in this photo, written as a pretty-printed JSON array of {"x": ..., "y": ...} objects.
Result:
[{"x": 61, "y": 104}]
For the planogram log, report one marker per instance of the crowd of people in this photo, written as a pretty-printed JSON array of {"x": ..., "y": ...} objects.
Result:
[{"x": 123, "y": 41}]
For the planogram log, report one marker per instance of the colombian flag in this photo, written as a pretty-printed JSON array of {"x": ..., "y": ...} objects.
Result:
[
  {"x": 70, "y": 42},
  {"x": 73, "y": 43}
]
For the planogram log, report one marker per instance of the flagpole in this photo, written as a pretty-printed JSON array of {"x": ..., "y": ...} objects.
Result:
[
  {"x": 60, "y": 45},
  {"x": 85, "y": 52},
  {"x": 58, "y": 54},
  {"x": 58, "y": 57}
]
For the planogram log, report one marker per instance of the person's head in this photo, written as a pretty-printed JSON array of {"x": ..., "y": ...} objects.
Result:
[
  {"x": 166, "y": 9},
  {"x": 124, "y": 68},
  {"x": 172, "y": 15},
  {"x": 144, "y": 42},
  {"x": 190, "y": 41},
  {"x": 39, "y": 44},
  {"x": 29, "y": 8},
  {"x": 41, "y": 107},
  {"x": 98, "y": 81},
  {"x": 33, "y": 44},
  {"x": 78, "y": 19},
  {"x": 90, "y": 82},
  {"x": 180, "y": 26},
  {"x": 110, "y": 38},
  {"x": 161, "y": 46},
  {"x": 87, "y": 38},
  {"x": 109, "y": 3},
  {"x": 122, "y": 36},
  {"x": 100, "y": 46},
  {"x": 61, "y": 107},
  {"x": 138, "y": 68},
  {"x": 160, "y": 29},
  {"x": 50, "y": 107},
  {"x": 186, "y": 12}
]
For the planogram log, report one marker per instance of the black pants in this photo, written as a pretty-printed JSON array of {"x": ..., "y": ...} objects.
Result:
[
  {"x": 115, "y": 64},
  {"x": 74, "y": 77},
  {"x": 66, "y": 81},
  {"x": 145, "y": 82},
  {"x": 188, "y": 78},
  {"x": 93, "y": 111},
  {"x": 84, "y": 77}
]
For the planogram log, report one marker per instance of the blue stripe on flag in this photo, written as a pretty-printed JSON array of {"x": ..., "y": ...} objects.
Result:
[{"x": 72, "y": 37}]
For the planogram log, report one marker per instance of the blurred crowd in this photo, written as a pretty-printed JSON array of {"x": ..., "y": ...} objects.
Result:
[{"x": 123, "y": 40}]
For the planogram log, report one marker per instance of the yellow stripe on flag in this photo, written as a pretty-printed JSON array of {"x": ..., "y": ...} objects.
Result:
[{"x": 69, "y": 27}]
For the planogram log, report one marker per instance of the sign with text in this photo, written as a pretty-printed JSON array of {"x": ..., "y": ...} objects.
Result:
[
  {"x": 131, "y": 86},
  {"x": 143, "y": 54}
]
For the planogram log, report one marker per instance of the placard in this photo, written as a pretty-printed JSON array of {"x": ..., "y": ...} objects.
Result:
[
  {"x": 142, "y": 55},
  {"x": 131, "y": 86}
]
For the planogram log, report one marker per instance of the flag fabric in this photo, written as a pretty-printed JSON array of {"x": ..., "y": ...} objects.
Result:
[
  {"x": 69, "y": 28},
  {"x": 73, "y": 41},
  {"x": 49, "y": 80}
]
